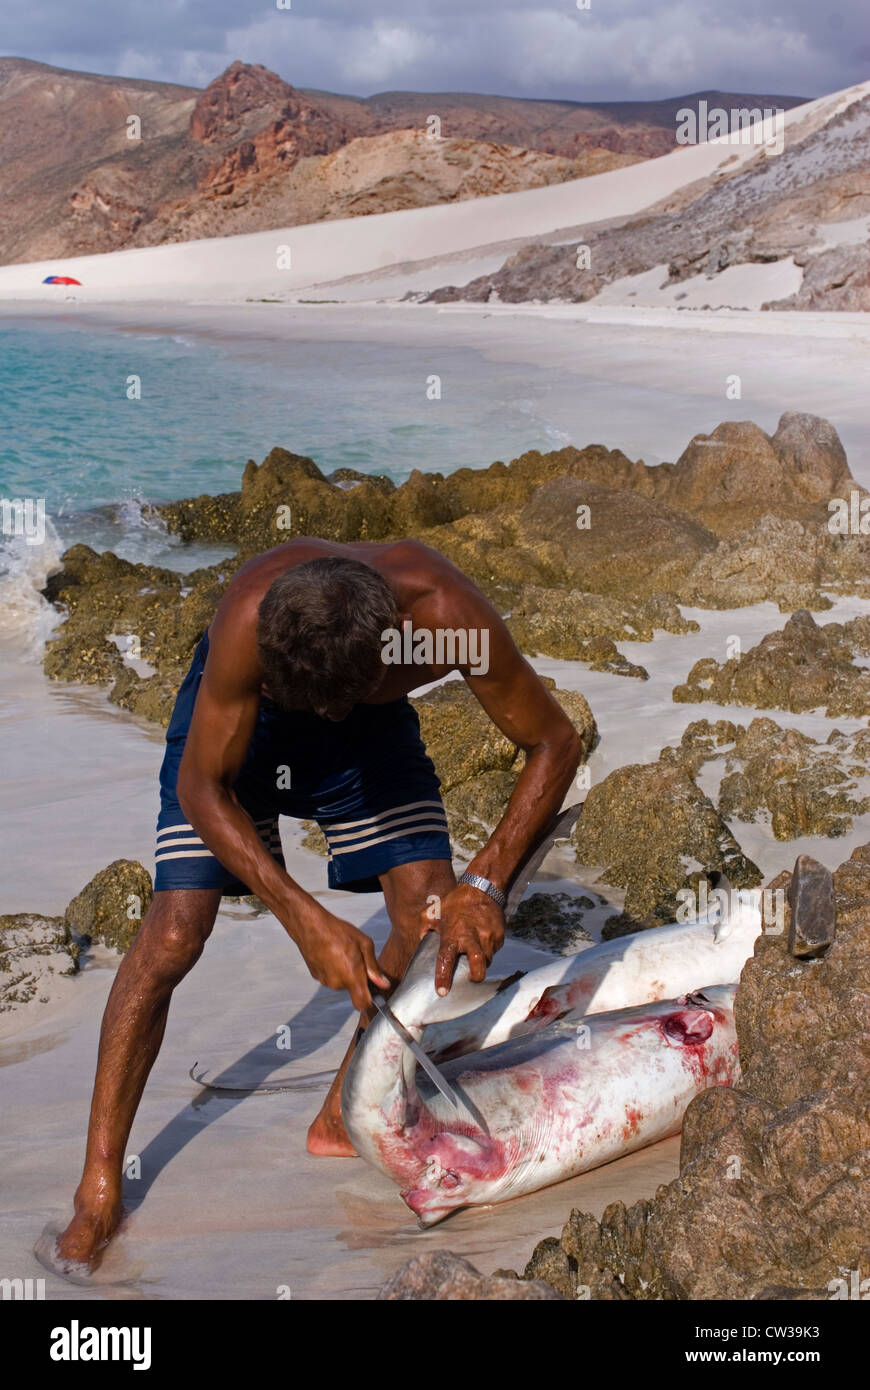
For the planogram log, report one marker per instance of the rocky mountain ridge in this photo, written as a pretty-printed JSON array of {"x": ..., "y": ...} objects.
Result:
[{"x": 78, "y": 175}]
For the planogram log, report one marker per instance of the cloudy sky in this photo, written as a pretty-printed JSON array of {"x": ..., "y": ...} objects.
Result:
[{"x": 615, "y": 49}]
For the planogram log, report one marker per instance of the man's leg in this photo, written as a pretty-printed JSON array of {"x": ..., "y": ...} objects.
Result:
[
  {"x": 169, "y": 941},
  {"x": 406, "y": 890}
]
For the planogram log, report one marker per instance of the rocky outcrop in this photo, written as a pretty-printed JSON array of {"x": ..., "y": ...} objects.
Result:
[
  {"x": 797, "y": 785},
  {"x": 256, "y": 111},
  {"x": 571, "y": 518},
  {"x": 722, "y": 485},
  {"x": 723, "y": 477},
  {"x": 110, "y": 908},
  {"x": 577, "y": 626},
  {"x": 761, "y": 211},
  {"x": 116, "y": 609},
  {"x": 651, "y": 831},
  {"x": 773, "y": 1197},
  {"x": 800, "y": 667},
  {"x": 477, "y": 764},
  {"x": 837, "y": 280},
  {"x": 576, "y": 546},
  {"x": 33, "y": 950},
  {"x": 448, "y": 1277}
]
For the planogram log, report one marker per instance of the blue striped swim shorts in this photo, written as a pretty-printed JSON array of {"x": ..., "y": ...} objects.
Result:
[{"x": 367, "y": 781}]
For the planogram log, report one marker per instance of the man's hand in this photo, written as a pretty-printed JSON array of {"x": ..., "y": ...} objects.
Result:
[
  {"x": 341, "y": 956},
  {"x": 471, "y": 925}
]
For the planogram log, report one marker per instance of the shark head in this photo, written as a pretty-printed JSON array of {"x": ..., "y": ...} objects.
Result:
[{"x": 457, "y": 1169}]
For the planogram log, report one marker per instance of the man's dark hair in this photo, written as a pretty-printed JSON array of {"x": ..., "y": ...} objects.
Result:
[{"x": 319, "y": 633}]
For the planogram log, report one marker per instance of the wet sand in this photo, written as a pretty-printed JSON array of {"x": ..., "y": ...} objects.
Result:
[{"x": 229, "y": 1204}]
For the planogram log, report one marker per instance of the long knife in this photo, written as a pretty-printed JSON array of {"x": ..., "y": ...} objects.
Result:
[
  {"x": 559, "y": 828},
  {"x": 424, "y": 1060}
]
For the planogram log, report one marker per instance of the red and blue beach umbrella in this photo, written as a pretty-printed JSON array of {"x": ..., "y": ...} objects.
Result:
[{"x": 60, "y": 280}]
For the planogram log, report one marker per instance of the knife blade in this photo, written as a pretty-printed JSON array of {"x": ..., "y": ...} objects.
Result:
[
  {"x": 425, "y": 1061},
  {"x": 559, "y": 828}
]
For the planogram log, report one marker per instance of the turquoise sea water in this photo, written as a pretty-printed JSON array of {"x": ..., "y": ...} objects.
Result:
[{"x": 69, "y": 433}]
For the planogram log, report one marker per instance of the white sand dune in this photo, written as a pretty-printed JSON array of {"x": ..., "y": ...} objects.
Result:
[{"x": 235, "y": 268}]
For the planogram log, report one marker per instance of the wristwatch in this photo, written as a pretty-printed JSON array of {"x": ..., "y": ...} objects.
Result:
[{"x": 478, "y": 881}]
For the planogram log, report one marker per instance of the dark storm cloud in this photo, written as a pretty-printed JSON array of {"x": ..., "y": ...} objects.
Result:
[{"x": 617, "y": 49}]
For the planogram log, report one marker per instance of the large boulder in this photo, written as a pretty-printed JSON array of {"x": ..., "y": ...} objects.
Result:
[
  {"x": 652, "y": 832},
  {"x": 807, "y": 1029},
  {"x": 811, "y": 449},
  {"x": 111, "y": 906},
  {"x": 631, "y": 544},
  {"x": 732, "y": 477},
  {"x": 718, "y": 475},
  {"x": 441, "y": 1275}
]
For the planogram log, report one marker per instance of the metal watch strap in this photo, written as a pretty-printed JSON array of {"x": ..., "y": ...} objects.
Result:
[{"x": 477, "y": 881}]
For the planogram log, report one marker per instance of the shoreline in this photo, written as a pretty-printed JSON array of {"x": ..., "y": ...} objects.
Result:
[
  {"x": 648, "y": 396},
  {"x": 163, "y": 314}
]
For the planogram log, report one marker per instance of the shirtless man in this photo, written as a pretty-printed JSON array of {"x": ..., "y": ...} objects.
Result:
[{"x": 291, "y": 708}]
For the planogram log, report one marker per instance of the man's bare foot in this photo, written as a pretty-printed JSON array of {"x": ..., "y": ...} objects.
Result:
[
  {"x": 327, "y": 1136},
  {"x": 87, "y": 1235}
]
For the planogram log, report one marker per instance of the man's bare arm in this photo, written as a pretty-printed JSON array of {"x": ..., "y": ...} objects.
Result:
[
  {"x": 529, "y": 715},
  {"x": 525, "y": 711}
]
